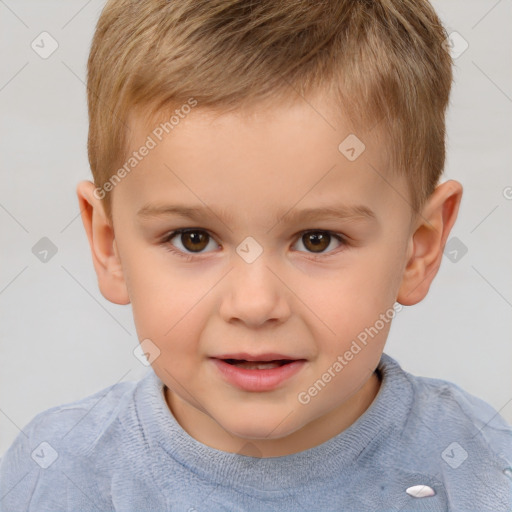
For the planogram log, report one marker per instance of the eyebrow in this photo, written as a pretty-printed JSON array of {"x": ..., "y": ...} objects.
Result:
[{"x": 197, "y": 213}]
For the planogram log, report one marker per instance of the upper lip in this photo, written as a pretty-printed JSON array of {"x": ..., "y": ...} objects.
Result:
[{"x": 242, "y": 356}]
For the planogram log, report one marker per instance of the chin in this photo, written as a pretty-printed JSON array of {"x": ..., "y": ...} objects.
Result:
[{"x": 265, "y": 428}]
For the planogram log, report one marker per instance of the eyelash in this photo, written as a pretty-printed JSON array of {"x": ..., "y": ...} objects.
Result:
[{"x": 191, "y": 256}]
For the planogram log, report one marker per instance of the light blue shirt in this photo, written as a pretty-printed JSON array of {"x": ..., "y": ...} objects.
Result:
[{"x": 122, "y": 449}]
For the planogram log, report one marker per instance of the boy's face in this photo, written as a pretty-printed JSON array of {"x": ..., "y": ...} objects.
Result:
[{"x": 290, "y": 289}]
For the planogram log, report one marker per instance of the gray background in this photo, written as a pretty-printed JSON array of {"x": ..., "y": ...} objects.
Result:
[{"x": 60, "y": 340}]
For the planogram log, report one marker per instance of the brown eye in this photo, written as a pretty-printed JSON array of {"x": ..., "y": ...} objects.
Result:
[
  {"x": 316, "y": 241},
  {"x": 194, "y": 241},
  {"x": 188, "y": 241}
]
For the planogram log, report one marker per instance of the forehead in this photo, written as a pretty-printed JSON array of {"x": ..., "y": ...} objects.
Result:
[{"x": 270, "y": 157}]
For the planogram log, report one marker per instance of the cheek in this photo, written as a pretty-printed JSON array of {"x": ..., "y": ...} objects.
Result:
[
  {"x": 351, "y": 302},
  {"x": 166, "y": 304}
]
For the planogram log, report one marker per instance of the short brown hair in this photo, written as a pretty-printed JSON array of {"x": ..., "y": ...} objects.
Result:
[{"x": 382, "y": 60}]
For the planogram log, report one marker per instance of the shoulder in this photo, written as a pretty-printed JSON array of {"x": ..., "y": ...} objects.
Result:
[
  {"x": 80, "y": 422},
  {"x": 443, "y": 403},
  {"x": 459, "y": 438},
  {"x": 63, "y": 441},
  {"x": 450, "y": 438}
]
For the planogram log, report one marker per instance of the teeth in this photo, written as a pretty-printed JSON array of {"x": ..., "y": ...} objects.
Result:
[{"x": 252, "y": 365}]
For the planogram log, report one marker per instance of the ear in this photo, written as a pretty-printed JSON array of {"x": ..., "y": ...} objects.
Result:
[
  {"x": 104, "y": 252},
  {"x": 427, "y": 241}
]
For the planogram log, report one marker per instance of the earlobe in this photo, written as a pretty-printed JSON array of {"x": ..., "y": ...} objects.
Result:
[
  {"x": 427, "y": 242},
  {"x": 100, "y": 234}
]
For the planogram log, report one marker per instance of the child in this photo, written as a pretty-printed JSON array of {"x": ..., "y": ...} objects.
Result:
[{"x": 300, "y": 146}]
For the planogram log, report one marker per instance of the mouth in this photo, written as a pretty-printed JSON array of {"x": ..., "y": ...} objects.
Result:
[
  {"x": 258, "y": 365},
  {"x": 265, "y": 361},
  {"x": 258, "y": 373}
]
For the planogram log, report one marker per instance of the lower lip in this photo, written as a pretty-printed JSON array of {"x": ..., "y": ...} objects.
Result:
[{"x": 258, "y": 380}]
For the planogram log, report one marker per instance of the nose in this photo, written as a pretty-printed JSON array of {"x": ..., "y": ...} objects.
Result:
[{"x": 254, "y": 294}]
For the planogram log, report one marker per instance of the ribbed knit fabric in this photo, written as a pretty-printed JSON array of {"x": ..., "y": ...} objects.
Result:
[{"x": 122, "y": 449}]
